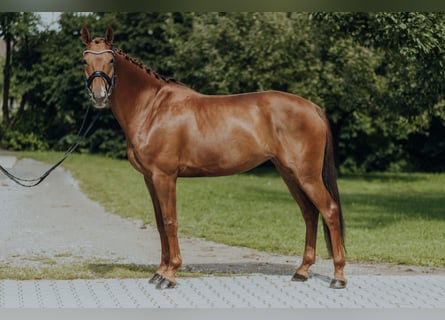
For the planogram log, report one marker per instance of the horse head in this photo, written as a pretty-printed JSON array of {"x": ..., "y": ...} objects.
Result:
[{"x": 98, "y": 59}]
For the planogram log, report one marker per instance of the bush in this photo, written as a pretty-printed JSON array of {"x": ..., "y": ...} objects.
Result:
[
  {"x": 109, "y": 142},
  {"x": 18, "y": 141}
]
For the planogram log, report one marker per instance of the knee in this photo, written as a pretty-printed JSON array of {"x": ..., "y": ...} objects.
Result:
[{"x": 171, "y": 227}]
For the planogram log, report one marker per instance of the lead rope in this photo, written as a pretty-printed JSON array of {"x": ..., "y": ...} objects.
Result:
[{"x": 36, "y": 181}]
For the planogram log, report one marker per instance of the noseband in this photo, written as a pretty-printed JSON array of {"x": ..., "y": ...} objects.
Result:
[{"x": 100, "y": 74}]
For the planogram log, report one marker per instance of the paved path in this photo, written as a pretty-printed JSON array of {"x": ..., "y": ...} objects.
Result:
[
  {"x": 254, "y": 291},
  {"x": 58, "y": 222},
  {"x": 55, "y": 220}
]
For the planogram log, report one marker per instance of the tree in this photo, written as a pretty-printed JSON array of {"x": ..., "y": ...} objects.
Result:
[
  {"x": 240, "y": 52},
  {"x": 409, "y": 87},
  {"x": 13, "y": 27}
]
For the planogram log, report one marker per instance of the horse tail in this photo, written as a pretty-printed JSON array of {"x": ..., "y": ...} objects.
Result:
[{"x": 329, "y": 175}]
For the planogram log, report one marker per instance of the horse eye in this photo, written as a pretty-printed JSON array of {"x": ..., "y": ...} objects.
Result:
[
  {"x": 112, "y": 61},
  {"x": 85, "y": 62}
]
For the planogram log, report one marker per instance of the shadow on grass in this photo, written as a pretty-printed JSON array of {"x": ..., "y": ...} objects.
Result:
[
  {"x": 268, "y": 170},
  {"x": 385, "y": 177},
  {"x": 361, "y": 210},
  {"x": 370, "y": 210},
  {"x": 241, "y": 268},
  {"x": 107, "y": 270},
  {"x": 380, "y": 210},
  {"x": 266, "y": 194},
  {"x": 265, "y": 170}
]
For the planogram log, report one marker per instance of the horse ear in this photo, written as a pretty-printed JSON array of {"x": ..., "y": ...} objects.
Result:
[
  {"x": 109, "y": 35},
  {"x": 86, "y": 37}
]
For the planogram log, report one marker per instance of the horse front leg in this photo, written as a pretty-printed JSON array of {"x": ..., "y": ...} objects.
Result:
[
  {"x": 165, "y": 254},
  {"x": 164, "y": 187}
]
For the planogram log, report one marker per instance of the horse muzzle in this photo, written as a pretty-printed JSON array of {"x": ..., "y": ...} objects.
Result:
[
  {"x": 101, "y": 91},
  {"x": 99, "y": 103}
]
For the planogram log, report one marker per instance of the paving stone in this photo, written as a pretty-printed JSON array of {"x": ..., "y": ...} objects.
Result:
[{"x": 253, "y": 291}]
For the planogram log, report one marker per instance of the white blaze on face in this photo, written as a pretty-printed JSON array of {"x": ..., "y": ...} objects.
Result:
[
  {"x": 100, "y": 96},
  {"x": 103, "y": 92}
]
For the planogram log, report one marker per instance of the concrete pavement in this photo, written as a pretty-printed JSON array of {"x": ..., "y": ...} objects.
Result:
[{"x": 252, "y": 291}]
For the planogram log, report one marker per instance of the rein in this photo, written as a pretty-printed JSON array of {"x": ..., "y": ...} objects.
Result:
[
  {"x": 36, "y": 181},
  {"x": 80, "y": 136}
]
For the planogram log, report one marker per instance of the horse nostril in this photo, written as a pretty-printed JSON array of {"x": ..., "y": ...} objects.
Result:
[
  {"x": 100, "y": 99},
  {"x": 100, "y": 94}
]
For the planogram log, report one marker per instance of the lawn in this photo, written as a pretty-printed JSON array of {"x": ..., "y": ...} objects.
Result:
[{"x": 397, "y": 218}]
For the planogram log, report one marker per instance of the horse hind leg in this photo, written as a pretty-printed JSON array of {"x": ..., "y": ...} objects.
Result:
[
  {"x": 331, "y": 213},
  {"x": 307, "y": 187},
  {"x": 310, "y": 215}
]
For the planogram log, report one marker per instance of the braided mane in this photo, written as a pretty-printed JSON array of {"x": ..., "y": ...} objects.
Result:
[{"x": 142, "y": 66}]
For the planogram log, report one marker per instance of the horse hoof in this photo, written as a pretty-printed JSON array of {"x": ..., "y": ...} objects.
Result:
[
  {"x": 337, "y": 284},
  {"x": 299, "y": 277},
  {"x": 156, "y": 278},
  {"x": 165, "y": 284}
]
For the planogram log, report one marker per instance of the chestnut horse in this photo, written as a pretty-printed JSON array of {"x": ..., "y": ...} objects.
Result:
[{"x": 173, "y": 131}]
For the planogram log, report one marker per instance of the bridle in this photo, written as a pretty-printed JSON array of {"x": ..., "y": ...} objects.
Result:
[{"x": 109, "y": 82}]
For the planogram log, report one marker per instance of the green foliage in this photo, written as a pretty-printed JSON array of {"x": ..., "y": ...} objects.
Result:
[
  {"x": 242, "y": 52},
  {"x": 379, "y": 76},
  {"x": 19, "y": 141},
  {"x": 108, "y": 142},
  {"x": 402, "y": 85}
]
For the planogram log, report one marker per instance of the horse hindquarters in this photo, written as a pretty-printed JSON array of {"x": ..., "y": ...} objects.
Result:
[{"x": 306, "y": 163}]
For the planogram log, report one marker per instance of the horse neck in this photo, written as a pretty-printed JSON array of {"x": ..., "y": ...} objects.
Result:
[{"x": 134, "y": 93}]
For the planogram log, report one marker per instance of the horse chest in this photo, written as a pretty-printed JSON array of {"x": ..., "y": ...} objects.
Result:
[
  {"x": 135, "y": 161},
  {"x": 150, "y": 160}
]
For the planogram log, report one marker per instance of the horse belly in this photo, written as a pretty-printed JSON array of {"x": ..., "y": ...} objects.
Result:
[{"x": 224, "y": 156}]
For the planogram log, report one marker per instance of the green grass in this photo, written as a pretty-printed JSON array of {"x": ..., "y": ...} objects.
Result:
[
  {"x": 396, "y": 218},
  {"x": 85, "y": 270}
]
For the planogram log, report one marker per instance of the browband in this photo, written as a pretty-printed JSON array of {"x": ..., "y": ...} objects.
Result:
[{"x": 99, "y": 52}]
